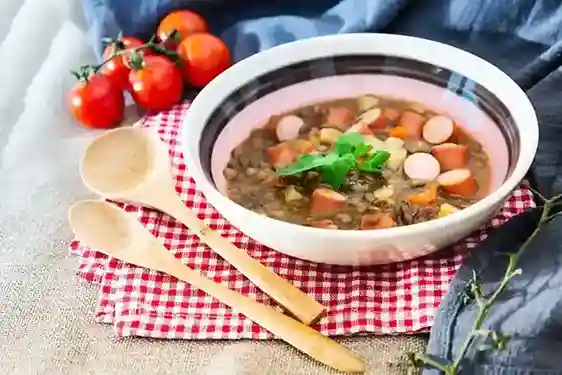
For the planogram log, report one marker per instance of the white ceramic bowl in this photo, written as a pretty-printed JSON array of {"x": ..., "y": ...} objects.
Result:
[{"x": 487, "y": 103}]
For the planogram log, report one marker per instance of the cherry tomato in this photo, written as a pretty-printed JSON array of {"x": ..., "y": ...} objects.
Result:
[
  {"x": 117, "y": 69},
  {"x": 97, "y": 103},
  {"x": 157, "y": 85},
  {"x": 204, "y": 56},
  {"x": 185, "y": 22}
]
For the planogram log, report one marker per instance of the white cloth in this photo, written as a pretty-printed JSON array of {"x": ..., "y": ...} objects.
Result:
[{"x": 46, "y": 316}]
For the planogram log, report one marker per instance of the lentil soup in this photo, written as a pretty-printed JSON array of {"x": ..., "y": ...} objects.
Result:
[{"x": 358, "y": 163}]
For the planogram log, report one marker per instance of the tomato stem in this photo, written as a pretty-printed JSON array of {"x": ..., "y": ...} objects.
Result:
[{"x": 135, "y": 53}]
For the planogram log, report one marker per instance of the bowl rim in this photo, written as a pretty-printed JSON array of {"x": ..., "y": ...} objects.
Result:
[{"x": 436, "y": 53}]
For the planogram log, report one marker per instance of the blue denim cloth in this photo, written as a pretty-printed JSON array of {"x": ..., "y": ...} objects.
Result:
[{"x": 522, "y": 37}]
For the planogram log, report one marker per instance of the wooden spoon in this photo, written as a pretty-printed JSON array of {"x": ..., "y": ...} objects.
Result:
[
  {"x": 132, "y": 164},
  {"x": 119, "y": 235}
]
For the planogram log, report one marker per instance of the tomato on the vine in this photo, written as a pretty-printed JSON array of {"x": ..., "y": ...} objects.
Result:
[
  {"x": 184, "y": 23},
  {"x": 203, "y": 57},
  {"x": 97, "y": 102},
  {"x": 117, "y": 68},
  {"x": 156, "y": 84}
]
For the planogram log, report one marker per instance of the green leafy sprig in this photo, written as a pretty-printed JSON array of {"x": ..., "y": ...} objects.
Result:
[
  {"x": 489, "y": 339},
  {"x": 349, "y": 153}
]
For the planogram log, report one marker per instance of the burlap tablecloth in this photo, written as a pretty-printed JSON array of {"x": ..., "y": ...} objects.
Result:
[{"x": 46, "y": 320}]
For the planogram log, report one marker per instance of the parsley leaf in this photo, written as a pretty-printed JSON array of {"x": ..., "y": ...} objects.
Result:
[
  {"x": 308, "y": 163},
  {"x": 361, "y": 150},
  {"x": 375, "y": 162},
  {"x": 346, "y": 143},
  {"x": 335, "y": 173},
  {"x": 348, "y": 150}
]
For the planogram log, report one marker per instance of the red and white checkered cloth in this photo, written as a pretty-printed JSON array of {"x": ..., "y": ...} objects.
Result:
[{"x": 397, "y": 298}]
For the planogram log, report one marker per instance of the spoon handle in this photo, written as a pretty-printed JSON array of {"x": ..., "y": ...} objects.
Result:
[
  {"x": 293, "y": 300},
  {"x": 302, "y": 337}
]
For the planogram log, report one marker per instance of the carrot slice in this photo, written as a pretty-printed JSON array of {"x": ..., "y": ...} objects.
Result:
[
  {"x": 398, "y": 132},
  {"x": 451, "y": 156},
  {"x": 413, "y": 123},
  {"x": 281, "y": 154},
  {"x": 459, "y": 182},
  {"x": 326, "y": 201},
  {"x": 377, "y": 221},
  {"x": 426, "y": 197}
]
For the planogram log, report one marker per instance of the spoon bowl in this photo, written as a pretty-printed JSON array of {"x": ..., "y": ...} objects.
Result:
[{"x": 124, "y": 163}]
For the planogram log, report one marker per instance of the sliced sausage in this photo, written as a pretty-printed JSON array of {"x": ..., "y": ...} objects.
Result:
[
  {"x": 288, "y": 127},
  {"x": 340, "y": 117},
  {"x": 413, "y": 123},
  {"x": 326, "y": 201},
  {"x": 421, "y": 167},
  {"x": 458, "y": 181},
  {"x": 451, "y": 156},
  {"x": 281, "y": 154},
  {"x": 377, "y": 220},
  {"x": 438, "y": 129}
]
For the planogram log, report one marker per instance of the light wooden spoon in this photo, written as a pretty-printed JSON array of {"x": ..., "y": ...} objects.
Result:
[
  {"x": 132, "y": 164},
  {"x": 118, "y": 234}
]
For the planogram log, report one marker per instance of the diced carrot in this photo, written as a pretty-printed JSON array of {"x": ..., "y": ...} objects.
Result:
[
  {"x": 398, "y": 132},
  {"x": 340, "y": 117},
  {"x": 281, "y": 154},
  {"x": 458, "y": 181},
  {"x": 326, "y": 224},
  {"x": 426, "y": 197},
  {"x": 391, "y": 113},
  {"x": 413, "y": 123},
  {"x": 326, "y": 201},
  {"x": 377, "y": 221},
  {"x": 451, "y": 156}
]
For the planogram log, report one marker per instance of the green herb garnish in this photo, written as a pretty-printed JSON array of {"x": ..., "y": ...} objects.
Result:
[
  {"x": 349, "y": 153},
  {"x": 375, "y": 163}
]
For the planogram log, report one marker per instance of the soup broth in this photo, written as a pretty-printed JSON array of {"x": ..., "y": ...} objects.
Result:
[{"x": 358, "y": 163}]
